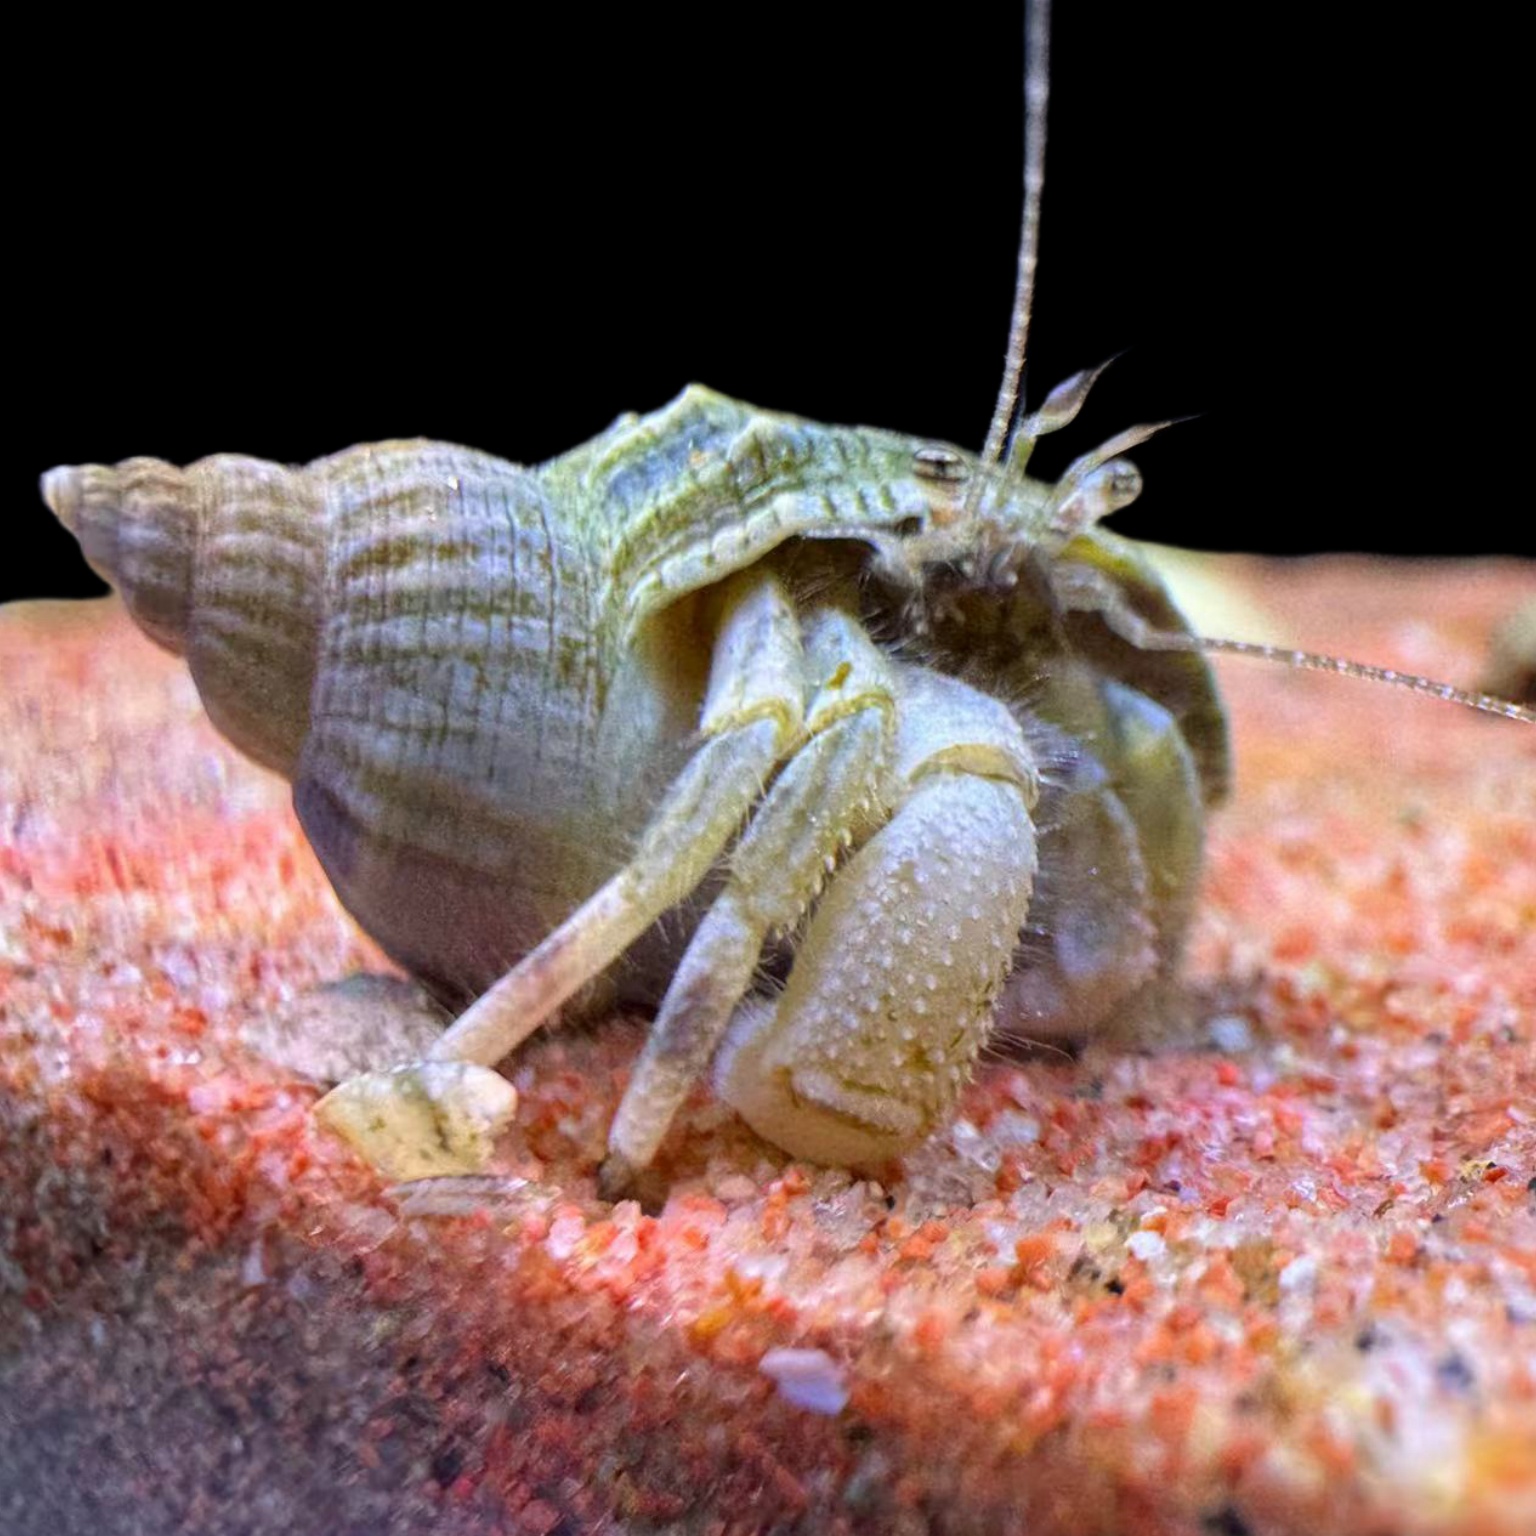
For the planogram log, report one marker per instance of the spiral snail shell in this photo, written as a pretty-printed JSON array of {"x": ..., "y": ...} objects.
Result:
[{"x": 410, "y": 633}]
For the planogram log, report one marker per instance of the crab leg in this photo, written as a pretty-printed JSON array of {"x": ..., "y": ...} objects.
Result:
[
  {"x": 831, "y": 786},
  {"x": 442, "y": 1114},
  {"x": 753, "y": 718}
]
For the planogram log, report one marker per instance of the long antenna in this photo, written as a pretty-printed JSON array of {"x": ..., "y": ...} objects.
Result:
[
  {"x": 1037, "y": 90},
  {"x": 1311, "y": 661},
  {"x": 1092, "y": 589}
]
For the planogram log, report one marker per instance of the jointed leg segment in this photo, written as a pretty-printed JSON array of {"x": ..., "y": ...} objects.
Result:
[
  {"x": 890, "y": 998},
  {"x": 777, "y": 869},
  {"x": 753, "y": 717}
]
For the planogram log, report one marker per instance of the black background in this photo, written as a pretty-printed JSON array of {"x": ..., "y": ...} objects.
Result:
[{"x": 1299, "y": 232}]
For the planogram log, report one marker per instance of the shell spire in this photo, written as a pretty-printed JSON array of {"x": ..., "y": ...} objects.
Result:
[
  {"x": 136, "y": 525},
  {"x": 221, "y": 562}
]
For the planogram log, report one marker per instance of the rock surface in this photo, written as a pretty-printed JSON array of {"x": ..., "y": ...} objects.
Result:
[{"x": 1275, "y": 1275}]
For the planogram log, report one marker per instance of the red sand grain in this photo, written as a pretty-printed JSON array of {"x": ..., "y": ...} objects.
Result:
[{"x": 1275, "y": 1275}]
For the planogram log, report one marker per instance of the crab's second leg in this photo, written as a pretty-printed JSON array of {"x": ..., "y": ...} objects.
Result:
[
  {"x": 442, "y": 1115},
  {"x": 834, "y": 788},
  {"x": 891, "y": 995}
]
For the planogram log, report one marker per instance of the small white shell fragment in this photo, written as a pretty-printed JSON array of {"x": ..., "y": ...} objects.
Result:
[
  {"x": 1300, "y": 1275},
  {"x": 1230, "y": 1032},
  {"x": 253, "y": 1268},
  {"x": 1146, "y": 1246},
  {"x": 458, "y": 1195},
  {"x": 808, "y": 1378},
  {"x": 11, "y": 950},
  {"x": 422, "y": 1121},
  {"x": 735, "y": 1189}
]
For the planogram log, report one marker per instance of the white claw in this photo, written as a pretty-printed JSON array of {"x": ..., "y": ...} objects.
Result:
[{"x": 421, "y": 1121}]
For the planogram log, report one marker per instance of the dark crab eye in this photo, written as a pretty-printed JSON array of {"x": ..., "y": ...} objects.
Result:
[
  {"x": 1119, "y": 482},
  {"x": 938, "y": 464}
]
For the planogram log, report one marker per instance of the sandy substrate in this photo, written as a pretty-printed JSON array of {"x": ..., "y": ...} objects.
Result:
[{"x": 1275, "y": 1275}]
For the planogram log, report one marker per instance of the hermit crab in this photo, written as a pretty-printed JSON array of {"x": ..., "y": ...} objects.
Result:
[
  {"x": 841, "y": 749},
  {"x": 528, "y": 712}
]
